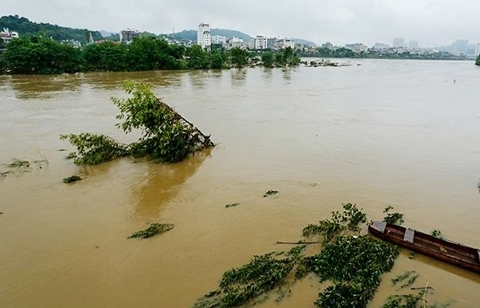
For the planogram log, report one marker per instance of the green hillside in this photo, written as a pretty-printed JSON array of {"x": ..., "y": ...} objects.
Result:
[
  {"x": 191, "y": 35},
  {"x": 24, "y": 26}
]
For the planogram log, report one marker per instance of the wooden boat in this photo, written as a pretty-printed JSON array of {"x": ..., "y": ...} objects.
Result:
[{"x": 441, "y": 249}]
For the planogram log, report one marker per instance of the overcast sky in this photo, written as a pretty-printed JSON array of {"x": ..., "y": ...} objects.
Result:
[{"x": 430, "y": 22}]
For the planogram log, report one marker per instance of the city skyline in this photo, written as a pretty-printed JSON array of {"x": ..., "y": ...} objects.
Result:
[{"x": 432, "y": 23}]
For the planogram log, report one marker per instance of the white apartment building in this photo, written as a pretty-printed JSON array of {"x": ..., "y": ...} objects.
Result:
[
  {"x": 287, "y": 43},
  {"x": 235, "y": 42},
  {"x": 218, "y": 39},
  {"x": 204, "y": 38},
  {"x": 260, "y": 42}
]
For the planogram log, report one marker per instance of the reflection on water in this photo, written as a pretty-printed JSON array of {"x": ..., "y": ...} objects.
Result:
[
  {"x": 268, "y": 74},
  {"x": 43, "y": 87},
  {"x": 287, "y": 75},
  {"x": 111, "y": 81},
  {"x": 161, "y": 184},
  {"x": 238, "y": 76}
]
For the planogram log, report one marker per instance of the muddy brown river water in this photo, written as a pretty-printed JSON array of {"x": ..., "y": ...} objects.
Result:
[{"x": 377, "y": 133}]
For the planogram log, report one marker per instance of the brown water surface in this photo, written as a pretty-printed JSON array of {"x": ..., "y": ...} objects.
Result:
[{"x": 381, "y": 133}]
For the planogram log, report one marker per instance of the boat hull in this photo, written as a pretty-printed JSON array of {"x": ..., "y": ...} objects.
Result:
[{"x": 444, "y": 250}]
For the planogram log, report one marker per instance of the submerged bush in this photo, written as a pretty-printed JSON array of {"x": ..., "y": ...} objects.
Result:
[
  {"x": 165, "y": 134},
  {"x": 94, "y": 149}
]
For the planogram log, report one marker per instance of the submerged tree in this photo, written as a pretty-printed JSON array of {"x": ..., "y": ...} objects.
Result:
[{"x": 165, "y": 134}]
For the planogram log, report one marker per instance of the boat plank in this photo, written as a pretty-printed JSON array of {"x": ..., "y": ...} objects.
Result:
[
  {"x": 442, "y": 249},
  {"x": 409, "y": 235}
]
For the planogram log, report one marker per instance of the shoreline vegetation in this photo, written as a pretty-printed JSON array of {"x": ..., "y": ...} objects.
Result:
[{"x": 43, "y": 56}]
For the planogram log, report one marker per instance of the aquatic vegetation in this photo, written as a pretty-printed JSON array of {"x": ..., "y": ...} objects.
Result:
[
  {"x": 152, "y": 230},
  {"x": 351, "y": 262},
  {"x": 71, "y": 179},
  {"x": 412, "y": 301},
  {"x": 270, "y": 193},
  {"x": 71, "y": 155},
  {"x": 94, "y": 149},
  {"x": 17, "y": 163},
  {"x": 354, "y": 265},
  {"x": 232, "y": 205},
  {"x": 22, "y": 165},
  {"x": 437, "y": 233},
  {"x": 338, "y": 224},
  {"x": 393, "y": 218},
  {"x": 407, "y": 275},
  {"x": 250, "y": 283}
]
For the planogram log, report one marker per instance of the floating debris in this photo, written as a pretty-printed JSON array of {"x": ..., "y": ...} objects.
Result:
[
  {"x": 71, "y": 155},
  {"x": 407, "y": 275},
  {"x": 437, "y": 233},
  {"x": 17, "y": 163},
  {"x": 71, "y": 179},
  {"x": 231, "y": 205},
  {"x": 22, "y": 165},
  {"x": 152, "y": 230},
  {"x": 270, "y": 193},
  {"x": 392, "y": 218}
]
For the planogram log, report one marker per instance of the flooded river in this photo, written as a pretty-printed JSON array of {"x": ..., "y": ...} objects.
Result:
[{"x": 376, "y": 133}]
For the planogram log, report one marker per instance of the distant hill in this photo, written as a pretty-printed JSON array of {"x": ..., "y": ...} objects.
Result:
[
  {"x": 231, "y": 33},
  {"x": 304, "y": 42},
  {"x": 191, "y": 35},
  {"x": 24, "y": 26}
]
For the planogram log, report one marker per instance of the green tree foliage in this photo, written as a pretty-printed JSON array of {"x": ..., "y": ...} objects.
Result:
[
  {"x": 3, "y": 63},
  {"x": 151, "y": 53},
  {"x": 39, "y": 55},
  {"x": 165, "y": 135},
  {"x": 94, "y": 149},
  {"x": 238, "y": 57},
  {"x": 107, "y": 56},
  {"x": 197, "y": 57},
  {"x": 477, "y": 62},
  {"x": 268, "y": 58},
  {"x": 217, "y": 60},
  {"x": 26, "y": 27}
]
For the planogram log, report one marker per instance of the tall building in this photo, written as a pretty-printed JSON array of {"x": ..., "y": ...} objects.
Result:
[
  {"x": 380, "y": 46},
  {"x": 218, "y": 39},
  {"x": 327, "y": 45},
  {"x": 260, "y": 42},
  {"x": 126, "y": 36},
  {"x": 413, "y": 45},
  {"x": 204, "y": 37},
  {"x": 477, "y": 50},
  {"x": 460, "y": 47},
  {"x": 398, "y": 42}
]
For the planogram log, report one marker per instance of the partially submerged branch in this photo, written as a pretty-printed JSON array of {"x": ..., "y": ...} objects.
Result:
[{"x": 166, "y": 135}]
